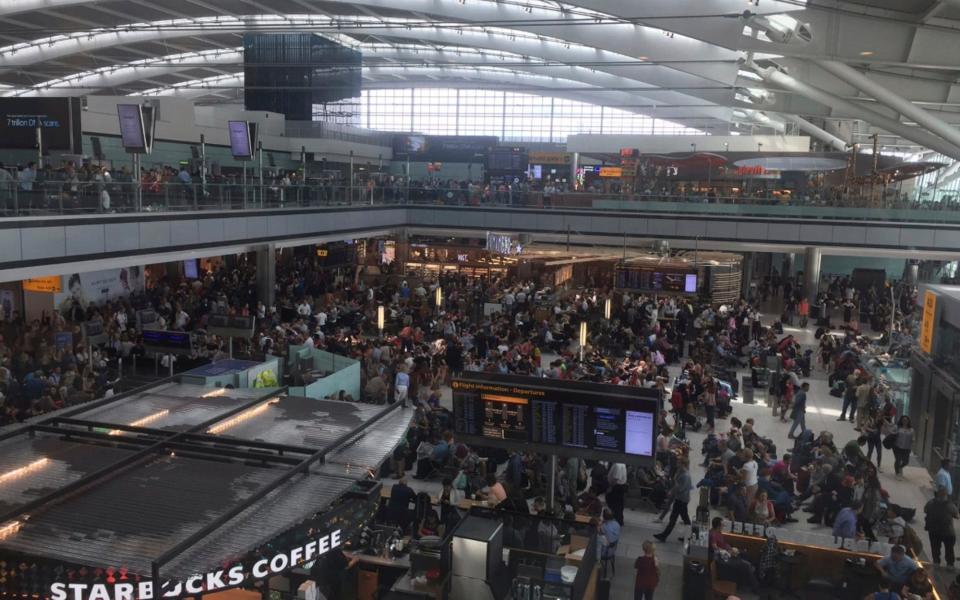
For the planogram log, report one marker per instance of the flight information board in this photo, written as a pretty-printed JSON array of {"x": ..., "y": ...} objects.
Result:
[
  {"x": 556, "y": 416},
  {"x": 651, "y": 279}
]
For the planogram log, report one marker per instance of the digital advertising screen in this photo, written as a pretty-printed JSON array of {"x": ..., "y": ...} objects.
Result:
[
  {"x": 132, "y": 134},
  {"x": 591, "y": 420},
  {"x": 240, "y": 145},
  {"x": 57, "y": 118}
]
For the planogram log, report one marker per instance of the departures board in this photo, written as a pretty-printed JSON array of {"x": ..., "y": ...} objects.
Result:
[{"x": 571, "y": 418}]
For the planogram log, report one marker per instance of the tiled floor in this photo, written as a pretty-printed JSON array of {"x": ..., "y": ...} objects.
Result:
[{"x": 822, "y": 413}]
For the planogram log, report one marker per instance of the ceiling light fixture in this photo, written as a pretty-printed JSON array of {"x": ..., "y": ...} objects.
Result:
[{"x": 867, "y": 53}]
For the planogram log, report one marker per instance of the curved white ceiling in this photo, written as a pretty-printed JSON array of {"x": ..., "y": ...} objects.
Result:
[{"x": 681, "y": 53}]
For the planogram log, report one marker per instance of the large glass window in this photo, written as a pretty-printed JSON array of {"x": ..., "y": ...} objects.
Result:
[
  {"x": 435, "y": 111},
  {"x": 387, "y": 110},
  {"x": 512, "y": 116}
]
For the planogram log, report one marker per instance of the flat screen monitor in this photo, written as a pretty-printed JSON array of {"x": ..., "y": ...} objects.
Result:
[
  {"x": 600, "y": 421},
  {"x": 240, "y": 144},
  {"x": 190, "y": 270},
  {"x": 132, "y": 134}
]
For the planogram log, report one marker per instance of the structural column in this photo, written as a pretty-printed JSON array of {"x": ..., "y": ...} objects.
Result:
[
  {"x": 574, "y": 163},
  {"x": 266, "y": 273},
  {"x": 911, "y": 272},
  {"x": 789, "y": 259},
  {"x": 811, "y": 274},
  {"x": 746, "y": 274}
]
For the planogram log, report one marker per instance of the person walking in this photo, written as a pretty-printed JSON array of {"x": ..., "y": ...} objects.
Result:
[
  {"x": 682, "y": 484},
  {"x": 799, "y": 413},
  {"x": 940, "y": 513},
  {"x": 648, "y": 572},
  {"x": 902, "y": 444}
]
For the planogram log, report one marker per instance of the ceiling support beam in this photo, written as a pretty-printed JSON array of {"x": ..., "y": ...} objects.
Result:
[
  {"x": 914, "y": 134},
  {"x": 821, "y": 134},
  {"x": 898, "y": 103}
]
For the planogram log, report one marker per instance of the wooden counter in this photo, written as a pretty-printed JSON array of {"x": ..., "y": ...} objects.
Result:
[{"x": 819, "y": 562}]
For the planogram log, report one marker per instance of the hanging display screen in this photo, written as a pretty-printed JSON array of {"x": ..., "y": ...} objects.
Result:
[
  {"x": 562, "y": 417},
  {"x": 132, "y": 133},
  {"x": 240, "y": 145},
  {"x": 652, "y": 279}
]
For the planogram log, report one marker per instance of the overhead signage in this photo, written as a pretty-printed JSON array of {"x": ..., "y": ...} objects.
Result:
[
  {"x": 201, "y": 583},
  {"x": 133, "y": 135},
  {"x": 590, "y": 420},
  {"x": 611, "y": 172},
  {"x": 240, "y": 143},
  {"x": 167, "y": 342},
  {"x": 929, "y": 324},
  {"x": 549, "y": 158},
  {"x": 53, "y": 283}
]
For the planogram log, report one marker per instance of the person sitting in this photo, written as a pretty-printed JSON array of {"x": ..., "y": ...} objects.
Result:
[
  {"x": 761, "y": 510},
  {"x": 883, "y": 592},
  {"x": 398, "y": 507},
  {"x": 734, "y": 566},
  {"x": 898, "y": 567},
  {"x": 430, "y": 526},
  {"x": 918, "y": 586},
  {"x": 437, "y": 459},
  {"x": 494, "y": 493},
  {"x": 589, "y": 503}
]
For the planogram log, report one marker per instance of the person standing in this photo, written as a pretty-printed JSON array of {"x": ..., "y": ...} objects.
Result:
[
  {"x": 902, "y": 444},
  {"x": 401, "y": 386},
  {"x": 940, "y": 513},
  {"x": 943, "y": 479},
  {"x": 799, "y": 413},
  {"x": 682, "y": 484},
  {"x": 709, "y": 397},
  {"x": 648, "y": 572},
  {"x": 617, "y": 477}
]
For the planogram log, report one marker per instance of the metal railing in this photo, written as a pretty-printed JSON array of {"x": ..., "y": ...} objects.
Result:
[{"x": 69, "y": 198}]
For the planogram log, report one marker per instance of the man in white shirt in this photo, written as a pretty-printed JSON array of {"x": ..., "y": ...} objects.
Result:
[
  {"x": 26, "y": 177},
  {"x": 303, "y": 309}
]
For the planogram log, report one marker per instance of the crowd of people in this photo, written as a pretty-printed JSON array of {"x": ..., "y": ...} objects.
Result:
[{"x": 690, "y": 350}]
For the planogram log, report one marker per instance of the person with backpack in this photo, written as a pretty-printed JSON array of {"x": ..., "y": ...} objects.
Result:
[{"x": 940, "y": 513}]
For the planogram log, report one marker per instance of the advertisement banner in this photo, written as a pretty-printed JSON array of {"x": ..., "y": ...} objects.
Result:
[
  {"x": 57, "y": 118},
  {"x": 97, "y": 287}
]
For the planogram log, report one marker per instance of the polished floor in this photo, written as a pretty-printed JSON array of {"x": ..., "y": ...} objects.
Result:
[{"x": 914, "y": 489}]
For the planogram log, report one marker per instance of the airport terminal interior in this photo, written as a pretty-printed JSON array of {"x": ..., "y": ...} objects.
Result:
[{"x": 479, "y": 299}]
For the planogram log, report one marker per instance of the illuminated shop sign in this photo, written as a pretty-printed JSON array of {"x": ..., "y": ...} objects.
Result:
[{"x": 205, "y": 583}]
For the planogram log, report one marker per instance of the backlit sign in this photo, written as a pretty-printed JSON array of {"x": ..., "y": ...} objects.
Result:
[
  {"x": 611, "y": 172},
  {"x": 201, "y": 583},
  {"x": 929, "y": 324},
  {"x": 43, "y": 284}
]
